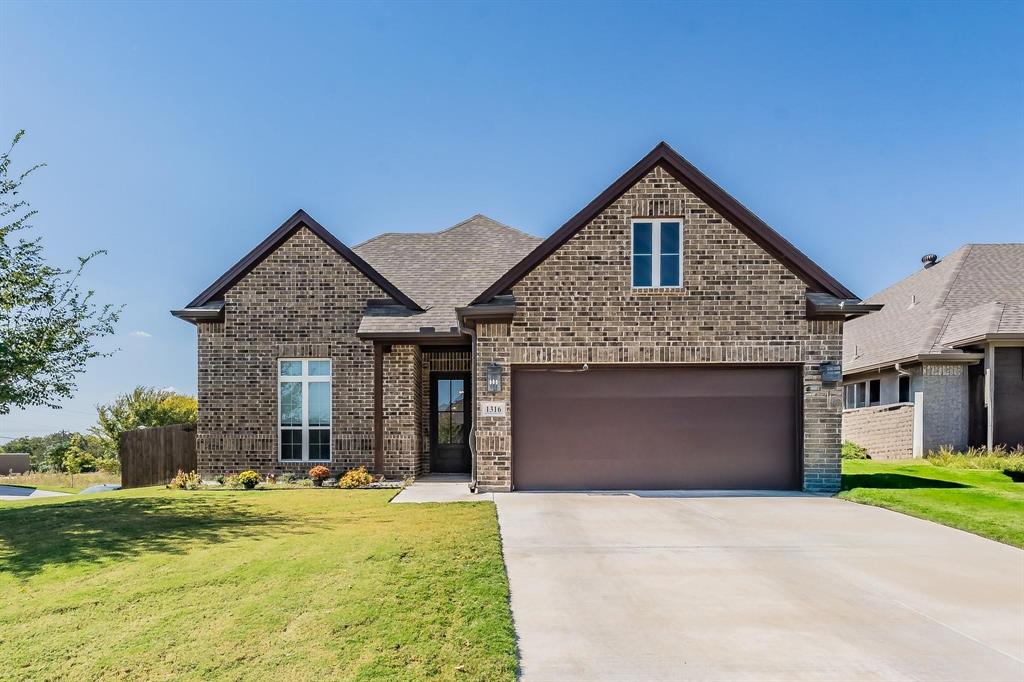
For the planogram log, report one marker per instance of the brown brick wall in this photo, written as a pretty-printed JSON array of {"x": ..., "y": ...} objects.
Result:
[
  {"x": 886, "y": 432},
  {"x": 737, "y": 304},
  {"x": 402, "y": 416},
  {"x": 303, "y": 300}
]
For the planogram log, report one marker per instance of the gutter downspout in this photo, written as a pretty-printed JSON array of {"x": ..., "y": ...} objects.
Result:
[
  {"x": 472, "y": 422},
  {"x": 918, "y": 398},
  {"x": 990, "y": 396}
]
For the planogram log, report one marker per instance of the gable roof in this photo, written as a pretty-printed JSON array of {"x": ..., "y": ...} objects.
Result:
[
  {"x": 972, "y": 293},
  {"x": 721, "y": 201},
  {"x": 442, "y": 270},
  {"x": 298, "y": 220}
]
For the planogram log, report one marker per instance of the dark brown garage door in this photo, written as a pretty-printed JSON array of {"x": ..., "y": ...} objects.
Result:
[{"x": 655, "y": 428}]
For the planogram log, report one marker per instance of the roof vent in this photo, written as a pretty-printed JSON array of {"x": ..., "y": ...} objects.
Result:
[{"x": 929, "y": 259}]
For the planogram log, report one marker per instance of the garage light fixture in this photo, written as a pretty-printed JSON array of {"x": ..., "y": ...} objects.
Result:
[{"x": 493, "y": 378}]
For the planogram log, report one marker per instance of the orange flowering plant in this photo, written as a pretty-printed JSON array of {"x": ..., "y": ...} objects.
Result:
[{"x": 319, "y": 472}]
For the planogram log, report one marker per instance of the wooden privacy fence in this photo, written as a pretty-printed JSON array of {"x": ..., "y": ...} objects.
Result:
[{"x": 154, "y": 455}]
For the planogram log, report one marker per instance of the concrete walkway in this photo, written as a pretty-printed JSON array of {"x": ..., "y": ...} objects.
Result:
[
  {"x": 664, "y": 587},
  {"x": 12, "y": 493},
  {"x": 440, "y": 488}
]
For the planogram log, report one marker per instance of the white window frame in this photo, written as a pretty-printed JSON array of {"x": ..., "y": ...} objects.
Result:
[
  {"x": 655, "y": 252},
  {"x": 305, "y": 379}
]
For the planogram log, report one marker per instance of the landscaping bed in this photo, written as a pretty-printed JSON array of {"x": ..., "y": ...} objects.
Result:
[
  {"x": 314, "y": 584},
  {"x": 983, "y": 501}
]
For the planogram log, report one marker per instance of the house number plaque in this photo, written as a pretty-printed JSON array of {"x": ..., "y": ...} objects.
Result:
[{"x": 492, "y": 408}]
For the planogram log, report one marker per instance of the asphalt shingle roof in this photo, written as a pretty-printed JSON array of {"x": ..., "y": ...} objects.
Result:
[
  {"x": 440, "y": 270},
  {"x": 976, "y": 290}
]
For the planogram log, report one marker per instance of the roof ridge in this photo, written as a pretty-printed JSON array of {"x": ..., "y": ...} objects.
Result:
[
  {"x": 446, "y": 229},
  {"x": 933, "y": 333},
  {"x": 1001, "y": 307},
  {"x": 955, "y": 272},
  {"x": 489, "y": 219}
]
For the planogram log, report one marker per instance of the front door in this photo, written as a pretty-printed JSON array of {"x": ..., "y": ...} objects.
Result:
[{"x": 449, "y": 422}]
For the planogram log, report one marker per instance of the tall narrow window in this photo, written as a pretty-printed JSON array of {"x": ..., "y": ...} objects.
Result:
[
  {"x": 874, "y": 392},
  {"x": 657, "y": 254},
  {"x": 904, "y": 388},
  {"x": 304, "y": 404}
]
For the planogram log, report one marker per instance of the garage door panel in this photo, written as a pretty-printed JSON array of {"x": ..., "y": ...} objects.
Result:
[{"x": 651, "y": 428}]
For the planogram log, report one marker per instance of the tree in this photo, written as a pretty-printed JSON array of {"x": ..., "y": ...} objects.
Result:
[
  {"x": 48, "y": 325},
  {"x": 144, "y": 406},
  {"x": 46, "y": 453},
  {"x": 77, "y": 458}
]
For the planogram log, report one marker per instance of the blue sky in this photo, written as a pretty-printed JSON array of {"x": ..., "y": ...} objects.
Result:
[{"x": 178, "y": 135}]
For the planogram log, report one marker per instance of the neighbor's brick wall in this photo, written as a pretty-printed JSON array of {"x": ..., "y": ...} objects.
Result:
[
  {"x": 737, "y": 304},
  {"x": 885, "y": 431},
  {"x": 303, "y": 300},
  {"x": 946, "y": 404}
]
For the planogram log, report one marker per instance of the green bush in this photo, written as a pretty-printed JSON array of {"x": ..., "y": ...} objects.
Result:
[
  {"x": 249, "y": 479},
  {"x": 853, "y": 451},
  {"x": 355, "y": 478}
]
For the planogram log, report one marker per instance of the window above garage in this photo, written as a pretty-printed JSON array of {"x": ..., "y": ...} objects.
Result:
[{"x": 657, "y": 254}]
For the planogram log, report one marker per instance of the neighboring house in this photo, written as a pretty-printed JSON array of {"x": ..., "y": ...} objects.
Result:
[
  {"x": 14, "y": 463},
  {"x": 664, "y": 337},
  {"x": 942, "y": 364}
]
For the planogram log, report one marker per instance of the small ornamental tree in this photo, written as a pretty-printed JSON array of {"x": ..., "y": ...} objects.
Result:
[{"x": 77, "y": 459}]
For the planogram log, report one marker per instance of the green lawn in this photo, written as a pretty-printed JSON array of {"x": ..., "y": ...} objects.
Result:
[
  {"x": 275, "y": 585},
  {"x": 984, "y": 502}
]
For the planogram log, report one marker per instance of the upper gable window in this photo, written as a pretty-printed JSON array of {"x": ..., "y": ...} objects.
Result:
[{"x": 657, "y": 261}]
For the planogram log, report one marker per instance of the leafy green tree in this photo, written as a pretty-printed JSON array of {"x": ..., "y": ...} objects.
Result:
[
  {"x": 48, "y": 325},
  {"x": 144, "y": 406},
  {"x": 77, "y": 459},
  {"x": 46, "y": 453}
]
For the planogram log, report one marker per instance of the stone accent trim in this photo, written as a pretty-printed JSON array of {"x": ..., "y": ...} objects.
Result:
[
  {"x": 638, "y": 355},
  {"x": 885, "y": 431}
]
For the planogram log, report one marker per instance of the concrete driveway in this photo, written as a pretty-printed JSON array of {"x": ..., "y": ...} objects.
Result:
[{"x": 625, "y": 587}]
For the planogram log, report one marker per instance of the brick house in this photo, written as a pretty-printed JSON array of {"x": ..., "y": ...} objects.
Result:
[
  {"x": 664, "y": 337},
  {"x": 942, "y": 364}
]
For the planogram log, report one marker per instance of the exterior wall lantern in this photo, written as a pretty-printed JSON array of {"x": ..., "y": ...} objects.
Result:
[
  {"x": 493, "y": 378},
  {"x": 831, "y": 372}
]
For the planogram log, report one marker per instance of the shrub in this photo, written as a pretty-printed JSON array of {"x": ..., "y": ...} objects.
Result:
[
  {"x": 999, "y": 458},
  {"x": 231, "y": 481},
  {"x": 288, "y": 477},
  {"x": 355, "y": 478},
  {"x": 249, "y": 479},
  {"x": 853, "y": 451},
  {"x": 319, "y": 472},
  {"x": 183, "y": 481},
  {"x": 1014, "y": 468}
]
